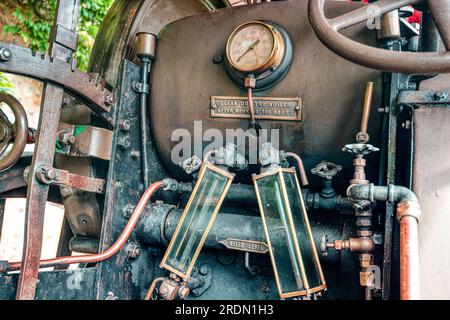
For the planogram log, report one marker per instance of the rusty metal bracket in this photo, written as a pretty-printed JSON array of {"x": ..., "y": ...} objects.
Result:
[
  {"x": 52, "y": 176},
  {"x": 84, "y": 141},
  {"x": 90, "y": 88},
  {"x": 420, "y": 98}
]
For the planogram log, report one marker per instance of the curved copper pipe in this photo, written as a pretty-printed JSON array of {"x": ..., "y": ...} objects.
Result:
[
  {"x": 153, "y": 286},
  {"x": 301, "y": 167},
  {"x": 251, "y": 109},
  {"x": 108, "y": 253}
]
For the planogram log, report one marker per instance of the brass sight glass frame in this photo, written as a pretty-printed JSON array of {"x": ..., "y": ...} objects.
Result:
[
  {"x": 275, "y": 57},
  {"x": 278, "y": 173},
  {"x": 207, "y": 166}
]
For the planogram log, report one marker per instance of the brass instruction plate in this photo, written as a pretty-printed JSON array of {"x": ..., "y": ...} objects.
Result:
[
  {"x": 266, "y": 108},
  {"x": 245, "y": 245}
]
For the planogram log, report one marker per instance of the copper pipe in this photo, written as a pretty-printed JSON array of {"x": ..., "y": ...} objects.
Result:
[
  {"x": 108, "y": 253},
  {"x": 301, "y": 167},
  {"x": 409, "y": 258},
  {"x": 368, "y": 95},
  {"x": 408, "y": 215},
  {"x": 250, "y": 107},
  {"x": 153, "y": 286}
]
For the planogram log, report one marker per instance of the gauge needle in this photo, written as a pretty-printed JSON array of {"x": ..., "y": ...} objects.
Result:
[{"x": 252, "y": 46}]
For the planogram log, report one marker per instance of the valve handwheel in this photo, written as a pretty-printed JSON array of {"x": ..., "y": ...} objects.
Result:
[
  {"x": 403, "y": 62},
  {"x": 12, "y": 133}
]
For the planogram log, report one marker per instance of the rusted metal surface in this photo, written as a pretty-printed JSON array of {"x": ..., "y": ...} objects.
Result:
[
  {"x": 123, "y": 188},
  {"x": 81, "y": 209},
  {"x": 65, "y": 38},
  {"x": 54, "y": 285},
  {"x": 15, "y": 134},
  {"x": 40, "y": 66},
  {"x": 393, "y": 61},
  {"x": 13, "y": 178},
  {"x": 51, "y": 176},
  {"x": 430, "y": 181},
  {"x": 424, "y": 97},
  {"x": 116, "y": 39},
  {"x": 330, "y": 118},
  {"x": 84, "y": 141},
  {"x": 37, "y": 192},
  {"x": 109, "y": 252}
]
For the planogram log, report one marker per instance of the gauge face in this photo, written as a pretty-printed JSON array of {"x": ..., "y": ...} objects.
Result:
[{"x": 252, "y": 47}]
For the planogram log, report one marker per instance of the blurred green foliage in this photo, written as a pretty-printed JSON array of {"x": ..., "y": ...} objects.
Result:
[
  {"x": 35, "y": 19},
  {"x": 5, "y": 85}
]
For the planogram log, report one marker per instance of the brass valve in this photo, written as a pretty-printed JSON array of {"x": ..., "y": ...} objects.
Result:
[{"x": 361, "y": 245}]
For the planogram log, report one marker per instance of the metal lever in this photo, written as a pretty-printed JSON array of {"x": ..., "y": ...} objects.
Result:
[{"x": 363, "y": 136}]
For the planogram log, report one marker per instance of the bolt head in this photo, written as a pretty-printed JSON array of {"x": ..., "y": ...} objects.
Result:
[
  {"x": 204, "y": 270},
  {"x": 66, "y": 192},
  {"x": 124, "y": 143},
  {"x": 5, "y": 54},
  {"x": 50, "y": 174},
  {"x": 125, "y": 125},
  {"x": 109, "y": 100},
  {"x": 135, "y": 154},
  {"x": 218, "y": 58},
  {"x": 441, "y": 95}
]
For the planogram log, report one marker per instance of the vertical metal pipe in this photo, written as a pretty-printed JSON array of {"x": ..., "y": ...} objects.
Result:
[
  {"x": 144, "y": 132},
  {"x": 409, "y": 259},
  {"x": 146, "y": 50},
  {"x": 368, "y": 95}
]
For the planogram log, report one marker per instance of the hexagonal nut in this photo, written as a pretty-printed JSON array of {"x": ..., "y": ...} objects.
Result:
[
  {"x": 250, "y": 82},
  {"x": 133, "y": 250},
  {"x": 362, "y": 137},
  {"x": 365, "y": 260},
  {"x": 128, "y": 210},
  {"x": 66, "y": 192}
]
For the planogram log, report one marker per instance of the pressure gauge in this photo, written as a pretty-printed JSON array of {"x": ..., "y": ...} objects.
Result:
[{"x": 261, "y": 49}]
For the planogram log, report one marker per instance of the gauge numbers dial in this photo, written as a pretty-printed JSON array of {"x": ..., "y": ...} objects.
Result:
[{"x": 254, "y": 47}]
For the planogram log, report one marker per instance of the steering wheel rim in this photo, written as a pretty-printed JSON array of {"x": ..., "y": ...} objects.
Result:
[
  {"x": 327, "y": 31},
  {"x": 19, "y": 136}
]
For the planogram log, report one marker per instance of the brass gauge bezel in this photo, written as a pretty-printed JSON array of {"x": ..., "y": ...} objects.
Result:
[{"x": 275, "y": 57}]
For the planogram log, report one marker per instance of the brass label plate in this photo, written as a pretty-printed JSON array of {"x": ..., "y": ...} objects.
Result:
[
  {"x": 266, "y": 108},
  {"x": 245, "y": 245}
]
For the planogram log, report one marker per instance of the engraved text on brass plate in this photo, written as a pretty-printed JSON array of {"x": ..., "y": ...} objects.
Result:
[
  {"x": 266, "y": 108},
  {"x": 245, "y": 245}
]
